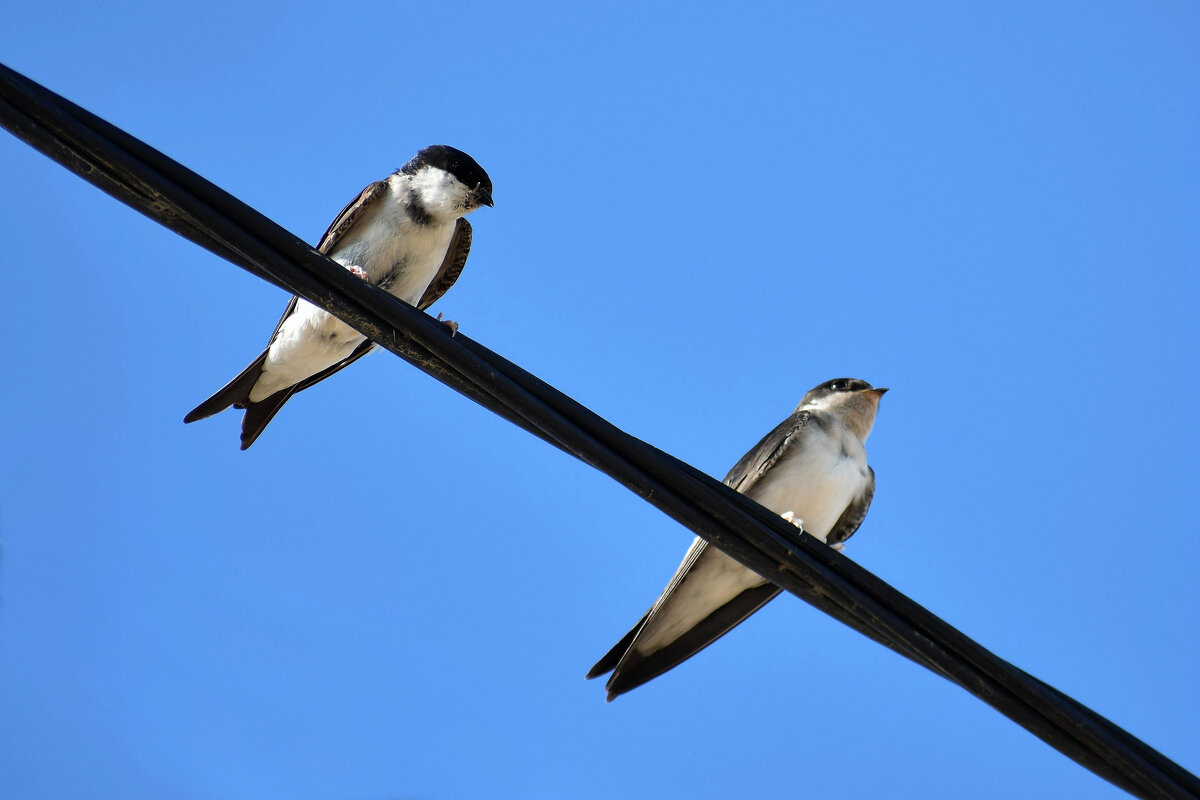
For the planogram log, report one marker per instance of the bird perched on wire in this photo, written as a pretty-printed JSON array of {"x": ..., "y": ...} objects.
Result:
[
  {"x": 811, "y": 469},
  {"x": 405, "y": 234}
]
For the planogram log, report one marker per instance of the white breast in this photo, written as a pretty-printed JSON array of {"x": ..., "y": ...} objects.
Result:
[
  {"x": 816, "y": 480},
  {"x": 389, "y": 246}
]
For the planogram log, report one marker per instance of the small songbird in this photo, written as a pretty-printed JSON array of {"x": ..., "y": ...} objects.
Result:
[
  {"x": 812, "y": 469},
  {"x": 405, "y": 234}
]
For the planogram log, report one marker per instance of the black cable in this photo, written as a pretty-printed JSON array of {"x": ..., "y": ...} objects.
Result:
[{"x": 174, "y": 196}]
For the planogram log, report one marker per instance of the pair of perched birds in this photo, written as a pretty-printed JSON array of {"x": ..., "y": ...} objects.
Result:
[{"x": 407, "y": 235}]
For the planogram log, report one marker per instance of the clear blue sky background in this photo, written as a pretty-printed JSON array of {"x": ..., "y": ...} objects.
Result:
[{"x": 701, "y": 212}]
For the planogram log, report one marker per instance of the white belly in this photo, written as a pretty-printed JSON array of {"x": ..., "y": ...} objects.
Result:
[
  {"x": 394, "y": 252},
  {"x": 309, "y": 340}
]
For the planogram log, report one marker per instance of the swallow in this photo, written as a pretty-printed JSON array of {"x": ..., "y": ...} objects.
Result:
[
  {"x": 405, "y": 234},
  {"x": 812, "y": 470}
]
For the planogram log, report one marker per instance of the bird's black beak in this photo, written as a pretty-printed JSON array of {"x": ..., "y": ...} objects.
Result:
[{"x": 483, "y": 196}]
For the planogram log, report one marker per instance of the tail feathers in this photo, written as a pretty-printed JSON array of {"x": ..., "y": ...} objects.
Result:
[
  {"x": 234, "y": 393},
  {"x": 613, "y": 657},
  {"x": 257, "y": 415},
  {"x": 632, "y": 668}
]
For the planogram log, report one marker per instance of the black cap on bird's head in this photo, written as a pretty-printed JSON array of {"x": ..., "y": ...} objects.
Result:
[
  {"x": 457, "y": 163},
  {"x": 852, "y": 398},
  {"x": 842, "y": 385}
]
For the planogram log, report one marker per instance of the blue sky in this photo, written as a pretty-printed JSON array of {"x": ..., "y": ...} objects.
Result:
[{"x": 701, "y": 212}]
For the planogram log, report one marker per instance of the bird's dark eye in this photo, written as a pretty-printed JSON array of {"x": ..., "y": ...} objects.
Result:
[{"x": 835, "y": 385}]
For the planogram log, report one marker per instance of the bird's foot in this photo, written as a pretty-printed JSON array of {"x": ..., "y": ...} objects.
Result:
[
  {"x": 840, "y": 546},
  {"x": 449, "y": 323},
  {"x": 357, "y": 272},
  {"x": 790, "y": 516}
]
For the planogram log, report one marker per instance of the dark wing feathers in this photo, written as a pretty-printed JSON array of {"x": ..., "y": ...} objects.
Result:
[
  {"x": 452, "y": 265},
  {"x": 636, "y": 669},
  {"x": 233, "y": 393},
  {"x": 613, "y": 657},
  {"x": 236, "y": 393},
  {"x": 259, "y": 414},
  {"x": 854, "y": 514},
  {"x": 763, "y": 455},
  {"x": 349, "y": 216}
]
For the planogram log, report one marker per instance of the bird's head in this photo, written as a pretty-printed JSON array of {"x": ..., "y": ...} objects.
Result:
[
  {"x": 447, "y": 182},
  {"x": 854, "y": 400}
]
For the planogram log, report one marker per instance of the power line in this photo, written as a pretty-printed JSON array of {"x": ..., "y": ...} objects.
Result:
[{"x": 176, "y": 197}]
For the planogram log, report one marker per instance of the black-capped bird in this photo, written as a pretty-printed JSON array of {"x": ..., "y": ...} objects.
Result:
[
  {"x": 812, "y": 469},
  {"x": 405, "y": 234}
]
